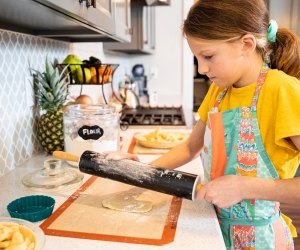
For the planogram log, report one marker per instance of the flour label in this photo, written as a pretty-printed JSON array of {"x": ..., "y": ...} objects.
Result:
[{"x": 90, "y": 132}]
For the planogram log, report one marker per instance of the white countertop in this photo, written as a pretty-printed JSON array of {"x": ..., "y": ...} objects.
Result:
[{"x": 197, "y": 226}]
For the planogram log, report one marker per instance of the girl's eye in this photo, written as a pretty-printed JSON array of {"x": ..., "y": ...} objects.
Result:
[{"x": 208, "y": 57}]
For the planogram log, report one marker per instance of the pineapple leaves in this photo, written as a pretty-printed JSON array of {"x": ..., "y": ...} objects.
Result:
[
  {"x": 49, "y": 69},
  {"x": 51, "y": 86}
]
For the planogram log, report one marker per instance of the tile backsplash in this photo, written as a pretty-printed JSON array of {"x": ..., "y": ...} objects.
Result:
[{"x": 19, "y": 52}]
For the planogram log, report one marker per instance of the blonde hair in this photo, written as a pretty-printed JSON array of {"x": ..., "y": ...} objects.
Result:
[{"x": 228, "y": 19}]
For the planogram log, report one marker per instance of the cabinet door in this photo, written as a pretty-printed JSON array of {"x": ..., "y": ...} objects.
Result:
[
  {"x": 143, "y": 32},
  {"x": 100, "y": 15},
  {"x": 148, "y": 29},
  {"x": 123, "y": 20}
]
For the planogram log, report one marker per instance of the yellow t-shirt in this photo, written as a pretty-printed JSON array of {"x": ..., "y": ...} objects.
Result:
[{"x": 278, "y": 114}]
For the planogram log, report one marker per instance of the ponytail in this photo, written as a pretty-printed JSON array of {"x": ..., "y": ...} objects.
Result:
[{"x": 285, "y": 52}]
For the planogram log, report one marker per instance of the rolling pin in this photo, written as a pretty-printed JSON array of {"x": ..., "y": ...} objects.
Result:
[{"x": 136, "y": 173}]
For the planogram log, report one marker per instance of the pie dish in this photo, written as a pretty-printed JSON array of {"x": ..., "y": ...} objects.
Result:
[
  {"x": 29, "y": 230},
  {"x": 160, "y": 139}
]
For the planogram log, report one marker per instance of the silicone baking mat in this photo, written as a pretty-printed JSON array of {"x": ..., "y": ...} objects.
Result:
[{"x": 83, "y": 216}]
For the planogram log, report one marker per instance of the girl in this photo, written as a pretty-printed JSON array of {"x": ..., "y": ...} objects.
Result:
[{"x": 250, "y": 116}]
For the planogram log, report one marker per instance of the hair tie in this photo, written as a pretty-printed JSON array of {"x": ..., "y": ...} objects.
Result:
[{"x": 272, "y": 31}]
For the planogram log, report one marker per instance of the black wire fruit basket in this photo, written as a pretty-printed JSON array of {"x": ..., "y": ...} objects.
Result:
[{"x": 89, "y": 74}]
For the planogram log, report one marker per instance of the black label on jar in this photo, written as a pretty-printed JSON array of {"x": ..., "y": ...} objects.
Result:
[{"x": 90, "y": 132}]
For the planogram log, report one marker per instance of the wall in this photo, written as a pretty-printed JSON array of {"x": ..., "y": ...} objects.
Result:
[
  {"x": 18, "y": 140},
  {"x": 286, "y": 13}
]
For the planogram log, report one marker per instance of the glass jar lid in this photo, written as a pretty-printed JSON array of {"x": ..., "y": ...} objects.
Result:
[{"x": 54, "y": 175}]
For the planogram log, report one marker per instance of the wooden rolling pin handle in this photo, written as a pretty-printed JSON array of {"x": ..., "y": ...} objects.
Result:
[
  {"x": 65, "y": 156},
  {"x": 198, "y": 187}
]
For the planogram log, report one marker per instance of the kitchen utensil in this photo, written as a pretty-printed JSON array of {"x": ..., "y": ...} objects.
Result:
[
  {"x": 138, "y": 70},
  {"x": 91, "y": 127},
  {"x": 39, "y": 235},
  {"x": 129, "y": 92},
  {"x": 31, "y": 208},
  {"x": 135, "y": 173},
  {"x": 54, "y": 176},
  {"x": 140, "y": 79},
  {"x": 160, "y": 143}
]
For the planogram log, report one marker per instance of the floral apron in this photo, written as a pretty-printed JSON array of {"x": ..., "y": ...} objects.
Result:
[{"x": 236, "y": 148}]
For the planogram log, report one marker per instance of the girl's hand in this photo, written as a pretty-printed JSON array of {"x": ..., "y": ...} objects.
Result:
[
  {"x": 224, "y": 191},
  {"x": 119, "y": 155}
]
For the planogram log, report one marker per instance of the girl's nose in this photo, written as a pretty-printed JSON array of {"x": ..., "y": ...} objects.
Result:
[{"x": 202, "y": 68}]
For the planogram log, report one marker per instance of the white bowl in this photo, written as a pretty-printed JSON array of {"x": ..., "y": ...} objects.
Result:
[
  {"x": 141, "y": 139},
  {"x": 40, "y": 236}
]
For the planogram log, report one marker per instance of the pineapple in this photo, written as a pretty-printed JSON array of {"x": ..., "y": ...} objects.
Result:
[{"x": 51, "y": 92}]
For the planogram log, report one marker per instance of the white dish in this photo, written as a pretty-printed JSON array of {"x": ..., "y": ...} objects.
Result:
[
  {"x": 161, "y": 139},
  {"x": 38, "y": 232}
]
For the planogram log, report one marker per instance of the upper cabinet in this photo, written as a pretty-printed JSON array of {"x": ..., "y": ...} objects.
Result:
[
  {"x": 69, "y": 20},
  {"x": 123, "y": 20},
  {"x": 143, "y": 32}
]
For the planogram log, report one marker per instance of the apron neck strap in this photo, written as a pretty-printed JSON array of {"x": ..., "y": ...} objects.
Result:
[{"x": 260, "y": 81}]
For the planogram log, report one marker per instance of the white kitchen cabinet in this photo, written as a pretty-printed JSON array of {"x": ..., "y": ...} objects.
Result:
[
  {"x": 143, "y": 32},
  {"x": 68, "y": 20},
  {"x": 148, "y": 29},
  {"x": 123, "y": 20}
]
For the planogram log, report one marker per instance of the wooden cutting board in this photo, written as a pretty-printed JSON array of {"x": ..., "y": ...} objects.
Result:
[{"x": 83, "y": 216}]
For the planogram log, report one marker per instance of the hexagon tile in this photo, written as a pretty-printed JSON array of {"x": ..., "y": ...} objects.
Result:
[{"x": 19, "y": 52}]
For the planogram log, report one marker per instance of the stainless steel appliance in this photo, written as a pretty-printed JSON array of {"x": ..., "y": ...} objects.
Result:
[
  {"x": 129, "y": 93},
  {"x": 162, "y": 116},
  {"x": 139, "y": 77}
]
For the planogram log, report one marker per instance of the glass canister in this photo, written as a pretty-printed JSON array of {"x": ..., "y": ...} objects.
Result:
[{"x": 91, "y": 127}]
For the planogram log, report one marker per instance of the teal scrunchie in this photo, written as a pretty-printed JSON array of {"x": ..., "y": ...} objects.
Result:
[{"x": 272, "y": 31}]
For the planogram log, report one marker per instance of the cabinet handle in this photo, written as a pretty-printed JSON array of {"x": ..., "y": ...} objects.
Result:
[{"x": 89, "y": 3}]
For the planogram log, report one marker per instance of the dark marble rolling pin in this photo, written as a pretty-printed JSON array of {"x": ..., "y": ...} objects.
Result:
[{"x": 136, "y": 173}]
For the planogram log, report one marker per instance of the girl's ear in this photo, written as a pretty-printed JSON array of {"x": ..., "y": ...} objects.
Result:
[{"x": 248, "y": 43}]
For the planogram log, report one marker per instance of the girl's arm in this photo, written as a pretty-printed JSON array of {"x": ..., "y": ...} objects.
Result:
[
  {"x": 285, "y": 191},
  {"x": 227, "y": 190},
  {"x": 296, "y": 141},
  {"x": 184, "y": 152}
]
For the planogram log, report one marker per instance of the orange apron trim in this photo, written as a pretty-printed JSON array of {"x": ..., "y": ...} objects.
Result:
[{"x": 219, "y": 159}]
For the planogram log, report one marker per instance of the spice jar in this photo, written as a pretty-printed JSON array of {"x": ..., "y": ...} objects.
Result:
[{"x": 91, "y": 127}]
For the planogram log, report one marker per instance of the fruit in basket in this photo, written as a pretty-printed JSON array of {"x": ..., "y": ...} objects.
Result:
[
  {"x": 87, "y": 73},
  {"x": 101, "y": 71},
  {"x": 95, "y": 60},
  {"x": 51, "y": 93},
  {"x": 73, "y": 59},
  {"x": 93, "y": 74}
]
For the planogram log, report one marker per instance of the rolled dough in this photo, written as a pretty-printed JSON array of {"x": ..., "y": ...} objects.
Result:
[{"x": 127, "y": 202}]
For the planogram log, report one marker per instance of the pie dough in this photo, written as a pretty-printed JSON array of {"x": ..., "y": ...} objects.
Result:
[{"x": 127, "y": 202}]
